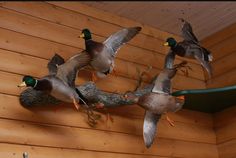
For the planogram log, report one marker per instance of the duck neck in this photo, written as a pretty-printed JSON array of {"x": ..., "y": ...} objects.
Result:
[
  {"x": 87, "y": 44},
  {"x": 173, "y": 46}
]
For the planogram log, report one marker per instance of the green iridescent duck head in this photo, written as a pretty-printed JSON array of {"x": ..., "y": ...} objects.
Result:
[
  {"x": 170, "y": 42},
  {"x": 28, "y": 81},
  {"x": 86, "y": 34}
]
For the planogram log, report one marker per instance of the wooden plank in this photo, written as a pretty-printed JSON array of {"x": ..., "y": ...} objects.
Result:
[
  {"x": 223, "y": 48},
  {"x": 69, "y": 36},
  {"x": 227, "y": 149},
  {"x": 121, "y": 84},
  {"x": 219, "y": 36},
  {"x": 225, "y": 133},
  {"x": 43, "y": 11},
  {"x": 9, "y": 81},
  {"x": 17, "y": 63},
  {"x": 32, "y": 134},
  {"x": 155, "y": 60},
  {"x": 184, "y": 116},
  {"x": 192, "y": 117},
  {"x": 22, "y": 63},
  {"x": 69, "y": 117},
  {"x": 111, "y": 18},
  {"x": 226, "y": 79},
  {"x": 123, "y": 68},
  {"x": 23, "y": 23},
  {"x": 34, "y": 46},
  {"x": 225, "y": 117},
  {"x": 110, "y": 83},
  {"x": 224, "y": 64},
  {"x": 16, "y": 150}
]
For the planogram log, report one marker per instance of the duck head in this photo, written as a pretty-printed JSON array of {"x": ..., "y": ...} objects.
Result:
[
  {"x": 86, "y": 34},
  {"x": 171, "y": 42},
  {"x": 28, "y": 81}
]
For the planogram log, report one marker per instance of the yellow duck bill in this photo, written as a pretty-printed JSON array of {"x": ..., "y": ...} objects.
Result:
[
  {"x": 166, "y": 44},
  {"x": 81, "y": 36},
  {"x": 23, "y": 84}
]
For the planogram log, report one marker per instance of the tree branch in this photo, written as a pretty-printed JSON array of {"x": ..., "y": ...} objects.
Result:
[{"x": 31, "y": 97}]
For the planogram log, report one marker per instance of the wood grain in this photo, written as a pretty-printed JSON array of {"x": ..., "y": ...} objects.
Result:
[
  {"x": 224, "y": 64},
  {"x": 219, "y": 36},
  {"x": 69, "y": 36},
  {"x": 226, "y": 79},
  {"x": 32, "y": 32},
  {"x": 226, "y": 133},
  {"x": 225, "y": 127},
  {"x": 111, "y": 18},
  {"x": 69, "y": 117},
  {"x": 225, "y": 117},
  {"x": 16, "y": 150},
  {"x": 28, "y": 65},
  {"x": 227, "y": 149},
  {"x": 77, "y": 138},
  {"x": 224, "y": 48}
]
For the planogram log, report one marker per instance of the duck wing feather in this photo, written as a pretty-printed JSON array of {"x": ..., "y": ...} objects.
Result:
[
  {"x": 116, "y": 40},
  {"x": 187, "y": 32},
  {"x": 67, "y": 72}
]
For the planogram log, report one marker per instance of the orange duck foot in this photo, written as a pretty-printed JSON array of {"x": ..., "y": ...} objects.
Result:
[
  {"x": 171, "y": 122},
  {"x": 94, "y": 77},
  {"x": 114, "y": 73},
  {"x": 99, "y": 105},
  {"x": 77, "y": 106},
  {"x": 108, "y": 117}
]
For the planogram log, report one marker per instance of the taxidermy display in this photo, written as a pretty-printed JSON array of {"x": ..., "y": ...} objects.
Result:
[
  {"x": 60, "y": 83},
  {"x": 159, "y": 101},
  {"x": 189, "y": 47},
  {"x": 104, "y": 54}
]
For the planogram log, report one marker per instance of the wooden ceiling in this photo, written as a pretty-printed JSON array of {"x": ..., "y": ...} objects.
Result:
[{"x": 205, "y": 17}]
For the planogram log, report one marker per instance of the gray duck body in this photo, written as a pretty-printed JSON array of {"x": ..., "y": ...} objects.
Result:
[
  {"x": 60, "y": 83},
  {"x": 61, "y": 90},
  {"x": 159, "y": 103}
]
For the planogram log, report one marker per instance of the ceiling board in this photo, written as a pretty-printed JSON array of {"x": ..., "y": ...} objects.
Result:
[{"x": 205, "y": 17}]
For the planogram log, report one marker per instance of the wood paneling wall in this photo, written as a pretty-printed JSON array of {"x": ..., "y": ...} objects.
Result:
[
  {"x": 223, "y": 48},
  {"x": 222, "y": 45},
  {"x": 30, "y": 34},
  {"x": 225, "y": 127}
]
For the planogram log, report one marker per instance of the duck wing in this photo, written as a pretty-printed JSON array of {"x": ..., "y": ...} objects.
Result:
[
  {"x": 116, "y": 40},
  {"x": 163, "y": 81},
  {"x": 187, "y": 32},
  {"x": 149, "y": 127},
  {"x": 54, "y": 63},
  {"x": 204, "y": 57},
  {"x": 67, "y": 71}
]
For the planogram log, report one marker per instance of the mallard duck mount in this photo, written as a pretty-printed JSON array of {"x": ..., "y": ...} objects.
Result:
[
  {"x": 92, "y": 96},
  {"x": 156, "y": 98}
]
